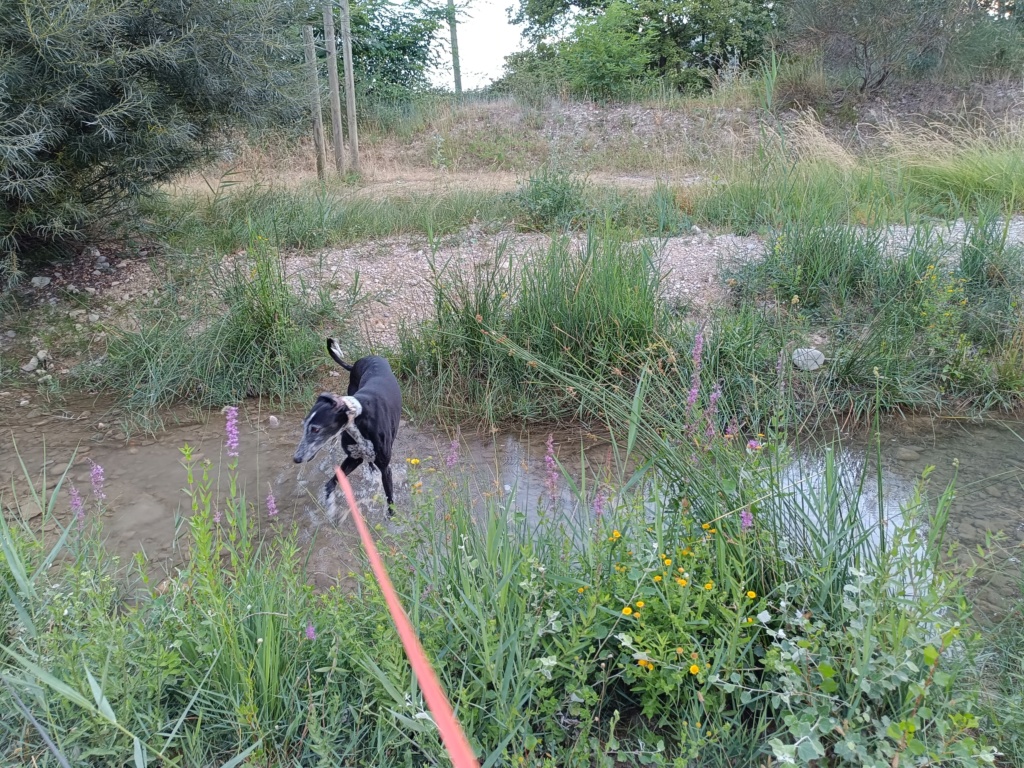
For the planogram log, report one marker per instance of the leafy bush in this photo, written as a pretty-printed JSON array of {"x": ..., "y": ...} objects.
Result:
[
  {"x": 605, "y": 56},
  {"x": 102, "y": 101},
  {"x": 551, "y": 198}
]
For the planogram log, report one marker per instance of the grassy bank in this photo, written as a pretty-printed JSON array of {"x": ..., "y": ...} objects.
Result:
[{"x": 717, "y": 616}]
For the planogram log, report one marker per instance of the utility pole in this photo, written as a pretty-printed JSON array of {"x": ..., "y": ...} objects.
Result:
[
  {"x": 350, "y": 84},
  {"x": 314, "y": 103},
  {"x": 332, "y": 78},
  {"x": 455, "y": 48}
]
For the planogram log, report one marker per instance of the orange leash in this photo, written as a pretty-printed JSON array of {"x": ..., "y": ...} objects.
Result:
[{"x": 452, "y": 735}]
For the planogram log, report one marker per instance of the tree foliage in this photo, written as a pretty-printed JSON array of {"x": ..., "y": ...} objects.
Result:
[
  {"x": 681, "y": 41},
  {"x": 393, "y": 46},
  {"x": 101, "y": 99}
]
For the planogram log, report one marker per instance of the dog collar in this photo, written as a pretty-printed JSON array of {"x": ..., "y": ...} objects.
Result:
[{"x": 354, "y": 406}]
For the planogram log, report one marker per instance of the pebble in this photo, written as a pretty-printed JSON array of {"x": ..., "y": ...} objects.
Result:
[
  {"x": 10, "y": 334},
  {"x": 31, "y": 365},
  {"x": 808, "y": 359},
  {"x": 905, "y": 453},
  {"x": 273, "y": 422},
  {"x": 93, "y": 317},
  {"x": 40, "y": 282}
]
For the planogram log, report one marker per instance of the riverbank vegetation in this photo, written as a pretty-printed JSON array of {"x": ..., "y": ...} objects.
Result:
[{"x": 714, "y": 597}]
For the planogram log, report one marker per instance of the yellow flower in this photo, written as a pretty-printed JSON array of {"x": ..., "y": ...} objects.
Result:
[
  {"x": 581, "y": 589},
  {"x": 710, "y": 585},
  {"x": 627, "y": 611},
  {"x": 645, "y": 663},
  {"x": 706, "y": 526},
  {"x": 616, "y": 535},
  {"x": 682, "y": 582},
  {"x": 680, "y": 570},
  {"x": 694, "y": 669},
  {"x": 750, "y": 619},
  {"x": 679, "y": 651},
  {"x": 640, "y": 603},
  {"x": 657, "y": 579},
  {"x": 414, "y": 462},
  {"x": 751, "y": 594},
  {"x": 668, "y": 561},
  {"x": 713, "y": 530}
]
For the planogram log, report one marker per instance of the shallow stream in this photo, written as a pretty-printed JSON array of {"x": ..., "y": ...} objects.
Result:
[{"x": 144, "y": 477}]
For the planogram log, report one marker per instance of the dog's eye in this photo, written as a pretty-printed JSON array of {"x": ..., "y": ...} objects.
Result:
[{"x": 315, "y": 430}]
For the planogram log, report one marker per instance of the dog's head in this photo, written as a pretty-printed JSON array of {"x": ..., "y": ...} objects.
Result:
[{"x": 328, "y": 416}]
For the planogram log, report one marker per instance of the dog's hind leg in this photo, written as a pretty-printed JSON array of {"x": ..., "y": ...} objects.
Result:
[
  {"x": 347, "y": 466},
  {"x": 389, "y": 493}
]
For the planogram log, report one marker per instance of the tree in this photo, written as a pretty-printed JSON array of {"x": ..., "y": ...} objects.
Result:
[
  {"x": 99, "y": 101},
  {"x": 878, "y": 38}
]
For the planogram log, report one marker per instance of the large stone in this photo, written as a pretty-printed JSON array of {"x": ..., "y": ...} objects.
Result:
[
  {"x": 31, "y": 365},
  {"x": 808, "y": 359},
  {"x": 40, "y": 282}
]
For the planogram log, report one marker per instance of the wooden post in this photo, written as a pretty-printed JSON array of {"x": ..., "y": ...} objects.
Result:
[
  {"x": 314, "y": 103},
  {"x": 350, "y": 85},
  {"x": 332, "y": 78},
  {"x": 455, "y": 48}
]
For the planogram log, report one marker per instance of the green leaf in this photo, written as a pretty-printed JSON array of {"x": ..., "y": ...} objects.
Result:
[
  {"x": 237, "y": 759},
  {"x": 826, "y": 670},
  {"x": 930, "y": 655},
  {"x": 101, "y": 700},
  {"x": 140, "y": 753}
]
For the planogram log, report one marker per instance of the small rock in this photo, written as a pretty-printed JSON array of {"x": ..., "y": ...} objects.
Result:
[
  {"x": 10, "y": 334},
  {"x": 93, "y": 317},
  {"x": 808, "y": 359},
  {"x": 90, "y": 290},
  {"x": 40, "y": 282},
  {"x": 31, "y": 365},
  {"x": 76, "y": 313},
  {"x": 42, "y": 354},
  {"x": 906, "y": 453},
  {"x": 696, "y": 230},
  {"x": 335, "y": 374},
  {"x": 273, "y": 422},
  {"x": 96, "y": 272},
  {"x": 93, "y": 252},
  {"x": 24, "y": 402}
]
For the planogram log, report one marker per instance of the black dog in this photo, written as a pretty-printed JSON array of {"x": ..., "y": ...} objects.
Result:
[{"x": 367, "y": 418}]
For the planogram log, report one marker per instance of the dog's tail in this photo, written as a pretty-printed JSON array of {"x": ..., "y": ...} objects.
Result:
[{"x": 334, "y": 350}]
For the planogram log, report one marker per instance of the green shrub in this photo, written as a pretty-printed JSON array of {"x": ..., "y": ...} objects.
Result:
[
  {"x": 605, "y": 56},
  {"x": 551, "y": 198},
  {"x": 103, "y": 101}
]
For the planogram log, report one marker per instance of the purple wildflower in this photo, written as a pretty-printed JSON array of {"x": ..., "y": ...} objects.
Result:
[
  {"x": 231, "y": 428},
  {"x": 453, "y": 455},
  {"x": 552, "y": 467},
  {"x": 216, "y": 515},
  {"x": 310, "y": 631},
  {"x": 599, "y": 501},
  {"x": 754, "y": 445},
  {"x": 96, "y": 476},
  {"x": 733, "y": 429},
  {"x": 698, "y": 348},
  {"x": 271, "y": 505},
  {"x": 77, "y": 507},
  {"x": 746, "y": 519}
]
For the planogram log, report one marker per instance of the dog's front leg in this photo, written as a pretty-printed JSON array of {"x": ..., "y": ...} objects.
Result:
[{"x": 347, "y": 466}]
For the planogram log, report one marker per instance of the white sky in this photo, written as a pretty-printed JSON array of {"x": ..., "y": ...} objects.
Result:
[{"x": 485, "y": 39}]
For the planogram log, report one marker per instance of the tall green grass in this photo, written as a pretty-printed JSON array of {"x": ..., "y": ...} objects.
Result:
[
  {"x": 595, "y": 306},
  {"x": 240, "y": 328}
]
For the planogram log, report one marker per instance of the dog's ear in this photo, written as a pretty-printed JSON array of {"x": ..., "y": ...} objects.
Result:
[
  {"x": 334, "y": 350},
  {"x": 329, "y": 398}
]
